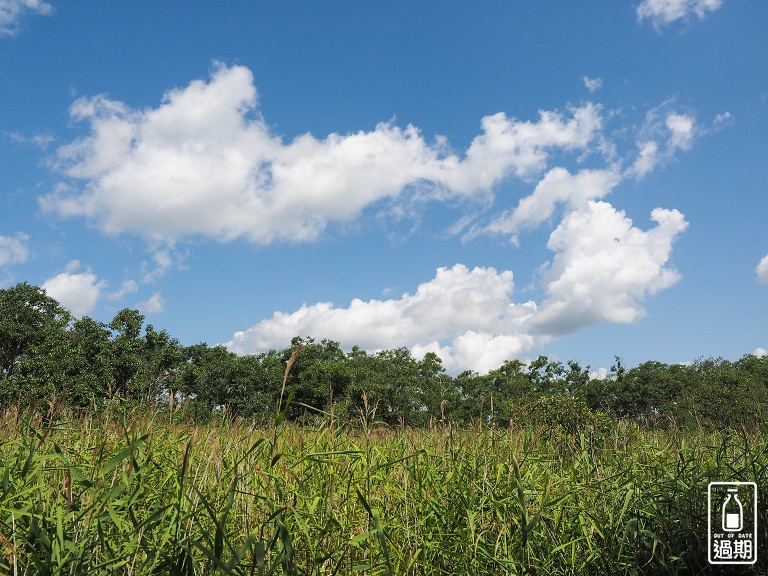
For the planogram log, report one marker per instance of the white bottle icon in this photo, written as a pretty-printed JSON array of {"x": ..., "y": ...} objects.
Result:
[{"x": 733, "y": 512}]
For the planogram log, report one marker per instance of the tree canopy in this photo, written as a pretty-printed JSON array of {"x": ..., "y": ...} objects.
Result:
[{"x": 84, "y": 363}]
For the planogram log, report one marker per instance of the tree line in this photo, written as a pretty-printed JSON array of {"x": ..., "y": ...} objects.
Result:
[{"x": 47, "y": 354}]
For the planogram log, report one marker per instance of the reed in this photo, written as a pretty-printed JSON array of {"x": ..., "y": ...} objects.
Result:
[{"x": 130, "y": 492}]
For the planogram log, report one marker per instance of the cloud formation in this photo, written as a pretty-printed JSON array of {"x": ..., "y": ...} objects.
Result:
[
  {"x": 469, "y": 309},
  {"x": 592, "y": 84},
  {"x": 558, "y": 187},
  {"x": 14, "y": 249},
  {"x": 11, "y": 12},
  {"x": 663, "y": 133},
  {"x": 204, "y": 163},
  {"x": 663, "y": 12},
  {"x": 762, "y": 271},
  {"x": 155, "y": 304},
  {"x": 603, "y": 269},
  {"x": 78, "y": 292}
]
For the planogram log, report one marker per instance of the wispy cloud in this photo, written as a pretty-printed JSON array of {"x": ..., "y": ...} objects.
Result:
[
  {"x": 12, "y": 11},
  {"x": 592, "y": 84},
  {"x": 664, "y": 132},
  {"x": 41, "y": 141},
  {"x": 14, "y": 249}
]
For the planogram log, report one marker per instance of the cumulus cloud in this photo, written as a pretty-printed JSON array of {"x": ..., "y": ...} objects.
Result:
[
  {"x": 11, "y": 12},
  {"x": 604, "y": 267},
  {"x": 762, "y": 271},
  {"x": 465, "y": 315},
  {"x": 760, "y": 352},
  {"x": 78, "y": 292},
  {"x": 663, "y": 12},
  {"x": 661, "y": 136},
  {"x": 557, "y": 187},
  {"x": 204, "y": 163},
  {"x": 14, "y": 249}
]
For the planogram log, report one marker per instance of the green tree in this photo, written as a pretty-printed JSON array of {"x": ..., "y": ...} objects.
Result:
[
  {"x": 546, "y": 376},
  {"x": 31, "y": 324},
  {"x": 720, "y": 394},
  {"x": 318, "y": 377},
  {"x": 472, "y": 390},
  {"x": 162, "y": 357},
  {"x": 438, "y": 390},
  {"x": 28, "y": 316},
  {"x": 128, "y": 368},
  {"x": 511, "y": 388},
  {"x": 212, "y": 382},
  {"x": 256, "y": 384},
  {"x": 392, "y": 386},
  {"x": 648, "y": 392},
  {"x": 575, "y": 379},
  {"x": 75, "y": 364}
]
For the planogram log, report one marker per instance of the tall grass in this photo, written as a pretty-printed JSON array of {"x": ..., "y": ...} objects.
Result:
[{"x": 132, "y": 493}]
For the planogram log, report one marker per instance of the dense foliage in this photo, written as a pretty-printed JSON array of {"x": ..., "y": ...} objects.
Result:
[
  {"x": 130, "y": 492},
  {"x": 83, "y": 363}
]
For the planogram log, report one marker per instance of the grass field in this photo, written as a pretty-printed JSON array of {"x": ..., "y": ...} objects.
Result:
[{"x": 129, "y": 492}]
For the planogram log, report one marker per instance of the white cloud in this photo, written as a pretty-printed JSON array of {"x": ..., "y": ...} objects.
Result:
[
  {"x": 14, "y": 250},
  {"x": 664, "y": 12},
  {"x": 78, "y": 292},
  {"x": 592, "y": 84},
  {"x": 41, "y": 141},
  {"x": 204, "y": 163},
  {"x": 647, "y": 158},
  {"x": 558, "y": 186},
  {"x": 760, "y": 352},
  {"x": 721, "y": 120},
  {"x": 11, "y": 12},
  {"x": 663, "y": 133},
  {"x": 127, "y": 287},
  {"x": 762, "y": 271},
  {"x": 681, "y": 128},
  {"x": 599, "y": 374},
  {"x": 466, "y": 316},
  {"x": 163, "y": 259},
  {"x": 155, "y": 304},
  {"x": 604, "y": 268}
]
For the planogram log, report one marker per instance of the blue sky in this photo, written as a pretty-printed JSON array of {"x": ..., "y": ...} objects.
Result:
[{"x": 580, "y": 180}]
